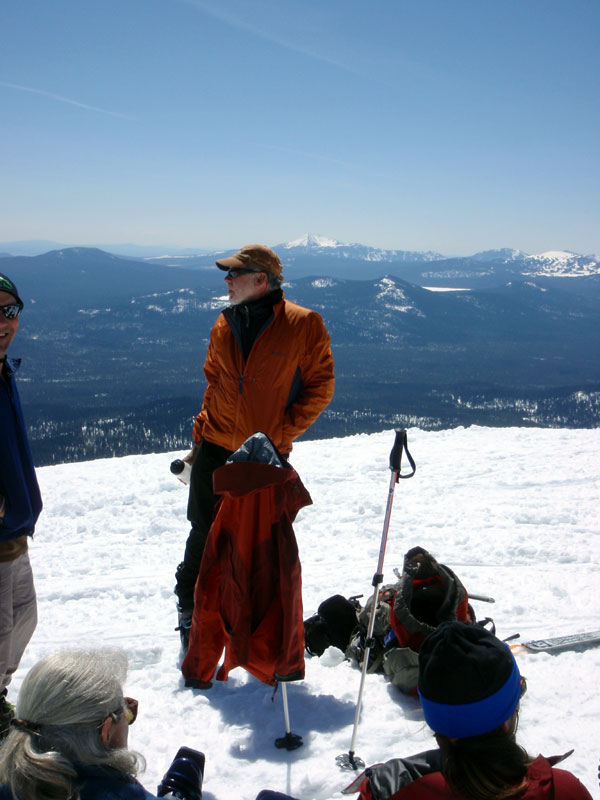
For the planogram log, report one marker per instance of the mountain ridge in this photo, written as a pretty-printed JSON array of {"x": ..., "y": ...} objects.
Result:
[
  {"x": 113, "y": 348},
  {"x": 309, "y": 244}
]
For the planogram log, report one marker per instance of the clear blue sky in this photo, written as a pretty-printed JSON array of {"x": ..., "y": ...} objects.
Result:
[{"x": 447, "y": 125}]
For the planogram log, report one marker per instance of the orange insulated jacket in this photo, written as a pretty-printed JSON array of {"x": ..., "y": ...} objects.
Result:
[{"x": 282, "y": 387}]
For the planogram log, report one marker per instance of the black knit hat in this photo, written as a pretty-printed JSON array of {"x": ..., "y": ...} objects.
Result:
[
  {"x": 469, "y": 682},
  {"x": 6, "y": 285}
]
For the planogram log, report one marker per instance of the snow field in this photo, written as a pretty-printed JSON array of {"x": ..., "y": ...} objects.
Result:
[{"x": 514, "y": 512}]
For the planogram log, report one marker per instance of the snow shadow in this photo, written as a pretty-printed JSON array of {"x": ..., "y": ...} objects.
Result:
[
  {"x": 255, "y": 714},
  {"x": 410, "y": 706}
]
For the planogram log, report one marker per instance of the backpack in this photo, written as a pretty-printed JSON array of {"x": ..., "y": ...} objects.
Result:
[
  {"x": 426, "y": 594},
  {"x": 355, "y": 649}
]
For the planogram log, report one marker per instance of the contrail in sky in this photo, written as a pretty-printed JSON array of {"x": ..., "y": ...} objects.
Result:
[
  {"x": 371, "y": 72},
  {"x": 64, "y": 99},
  {"x": 236, "y": 22}
]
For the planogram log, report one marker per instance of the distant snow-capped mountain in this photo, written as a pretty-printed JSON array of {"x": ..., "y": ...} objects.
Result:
[
  {"x": 313, "y": 240},
  {"x": 554, "y": 263},
  {"x": 504, "y": 254},
  {"x": 561, "y": 263},
  {"x": 315, "y": 244}
]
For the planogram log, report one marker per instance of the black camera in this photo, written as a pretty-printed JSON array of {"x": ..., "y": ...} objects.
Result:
[{"x": 183, "y": 779}]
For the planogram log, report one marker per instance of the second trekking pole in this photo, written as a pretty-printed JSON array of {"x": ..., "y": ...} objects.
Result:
[{"x": 348, "y": 760}]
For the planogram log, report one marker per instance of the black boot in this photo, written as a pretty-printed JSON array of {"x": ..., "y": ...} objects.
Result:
[{"x": 184, "y": 626}]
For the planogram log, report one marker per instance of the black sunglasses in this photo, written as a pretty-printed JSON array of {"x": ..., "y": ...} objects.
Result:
[
  {"x": 12, "y": 310},
  {"x": 237, "y": 271}
]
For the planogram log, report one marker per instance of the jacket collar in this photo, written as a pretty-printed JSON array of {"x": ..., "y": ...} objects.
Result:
[
  {"x": 260, "y": 305},
  {"x": 11, "y": 365},
  {"x": 101, "y": 772}
]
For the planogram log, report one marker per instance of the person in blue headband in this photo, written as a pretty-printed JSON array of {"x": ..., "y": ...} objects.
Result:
[
  {"x": 470, "y": 688},
  {"x": 469, "y": 682}
]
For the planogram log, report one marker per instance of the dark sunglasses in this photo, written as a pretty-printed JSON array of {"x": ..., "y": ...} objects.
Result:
[
  {"x": 130, "y": 710},
  {"x": 12, "y": 310},
  {"x": 237, "y": 271}
]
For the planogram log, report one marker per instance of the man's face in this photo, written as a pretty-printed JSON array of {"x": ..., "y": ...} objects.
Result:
[
  {"x": 245, "y": 287},
  {"x": 8, "y": 327}
]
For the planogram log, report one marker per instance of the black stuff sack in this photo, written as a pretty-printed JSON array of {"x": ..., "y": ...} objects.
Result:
[{"x": 332, "y": 625}]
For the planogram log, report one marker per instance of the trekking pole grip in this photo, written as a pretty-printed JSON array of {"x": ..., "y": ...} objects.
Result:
[{"x": 400, "y": 444}]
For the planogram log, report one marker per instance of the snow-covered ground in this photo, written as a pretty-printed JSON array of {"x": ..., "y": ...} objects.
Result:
[{"x": 513, "y": 511}]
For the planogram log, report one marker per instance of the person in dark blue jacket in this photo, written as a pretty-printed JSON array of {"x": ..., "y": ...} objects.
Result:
[{"x": 20, "y": 506}]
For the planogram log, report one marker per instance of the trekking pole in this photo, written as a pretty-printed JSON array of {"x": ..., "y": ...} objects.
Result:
[
  {"x": 291, "y": 741},
  {"x": 348, "y": 760}
]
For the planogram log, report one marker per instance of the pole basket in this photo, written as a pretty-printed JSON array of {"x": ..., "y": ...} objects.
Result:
[
  {"x": 349, "y": 761},
  {"x": 291, "y": 741}
]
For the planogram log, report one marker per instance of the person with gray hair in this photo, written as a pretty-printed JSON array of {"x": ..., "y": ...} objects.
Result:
[{"x": 68, "y": 739}]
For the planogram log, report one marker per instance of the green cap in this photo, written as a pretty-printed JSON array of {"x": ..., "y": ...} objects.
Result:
[{"x": 6, "y": 285}]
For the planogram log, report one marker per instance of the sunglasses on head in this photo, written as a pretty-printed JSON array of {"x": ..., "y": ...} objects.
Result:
[
  {"x": 12, "y": 310},
  {"x": 235, "y": 272},
  {"x": 129, "y": 709}
]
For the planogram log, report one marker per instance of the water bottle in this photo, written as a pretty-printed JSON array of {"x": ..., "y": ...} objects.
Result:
[{"x": 182, "y": 470}]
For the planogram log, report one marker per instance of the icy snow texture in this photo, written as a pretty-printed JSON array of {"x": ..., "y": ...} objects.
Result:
[{"x": 513, "y": 511}]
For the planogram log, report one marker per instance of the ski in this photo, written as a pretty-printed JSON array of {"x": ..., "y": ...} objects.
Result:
[{"x": 561, "y": 642}]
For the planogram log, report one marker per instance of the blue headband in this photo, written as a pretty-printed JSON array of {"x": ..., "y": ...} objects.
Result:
[{"x": 472, "y": 719}]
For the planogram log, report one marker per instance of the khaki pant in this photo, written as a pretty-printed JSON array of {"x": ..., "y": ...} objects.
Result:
[{"x": 18, "y": 614}]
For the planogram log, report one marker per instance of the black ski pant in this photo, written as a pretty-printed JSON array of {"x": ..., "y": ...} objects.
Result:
[{"x": 201, "y": 506}]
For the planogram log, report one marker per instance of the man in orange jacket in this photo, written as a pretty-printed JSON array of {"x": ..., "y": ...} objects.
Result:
[{"x": 269, "y": 368}]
